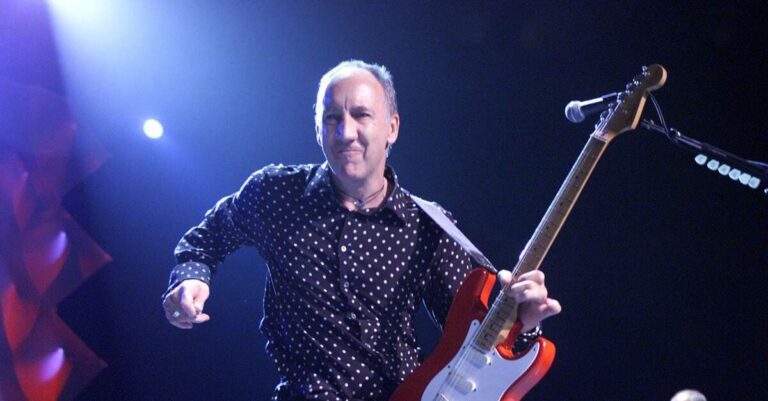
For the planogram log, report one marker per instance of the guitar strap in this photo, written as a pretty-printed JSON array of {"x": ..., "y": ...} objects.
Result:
[{"x": 439, "y": 217}]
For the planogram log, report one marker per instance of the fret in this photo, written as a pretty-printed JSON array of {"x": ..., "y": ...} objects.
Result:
[
  {"x": 496, "y": 324},
  {"x": 503, "y": 313},
  {"x": 485, "y": 341},
  {"x": 506, "y": 310},
  {"x": 560, "y": 208}
]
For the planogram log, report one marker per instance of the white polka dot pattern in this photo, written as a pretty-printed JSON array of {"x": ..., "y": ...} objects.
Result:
[{"x": 342, "y": 287}]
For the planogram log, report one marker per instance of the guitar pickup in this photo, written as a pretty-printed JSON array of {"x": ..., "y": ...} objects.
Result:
[
  {"x": 462, "y": 384},
  {"x": 477, "y": 358}
]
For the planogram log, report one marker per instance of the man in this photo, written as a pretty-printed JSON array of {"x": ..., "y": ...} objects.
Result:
[
  {"x": 350, "y": 255},
  {"x": 688, "y": 395}
]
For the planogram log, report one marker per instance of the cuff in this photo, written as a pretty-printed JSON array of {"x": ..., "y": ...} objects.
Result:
[
  {"x": 188, "y": 271},
  {"x": 526, "y": 340}
]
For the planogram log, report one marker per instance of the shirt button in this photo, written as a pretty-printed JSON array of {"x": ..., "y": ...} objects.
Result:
[
  {"x": 352, "y": 316},
  {"x": 345, "y": 284},
  {"x": 343, "y": 248}
]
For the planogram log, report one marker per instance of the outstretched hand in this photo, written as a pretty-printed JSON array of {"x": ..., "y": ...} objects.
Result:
[
  {"x": 530, "y": 293},
  {"x": 184, "y": 305}
]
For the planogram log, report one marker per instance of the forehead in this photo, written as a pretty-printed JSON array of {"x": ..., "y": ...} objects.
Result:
[{"x": 354, "y": 85}]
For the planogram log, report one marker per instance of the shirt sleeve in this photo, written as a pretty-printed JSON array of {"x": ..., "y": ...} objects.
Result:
[{"x": 226, "y": 227}]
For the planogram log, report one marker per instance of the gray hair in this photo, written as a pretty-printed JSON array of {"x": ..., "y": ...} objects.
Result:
[
  {"x": 689, "y": 395},
  {"x": 379, "y": 71}
]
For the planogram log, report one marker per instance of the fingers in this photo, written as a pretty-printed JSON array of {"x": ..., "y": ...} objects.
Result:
[
  {"x": 537, "y": 276},
  {"x": 505, "y": 277},
  {"x": 528, "y": 287},
  {"x": 184, "y": 305},
  {"x": 531, "y": 314},
  {"x": 184, "y": 323},
  {"x": 187, "y": 303},
  {"x": 553, "y": 307},
  {"x": 530, "y": 292},
  {"x": 199, "y": 301},
  {"x": 548, "y": 308},
  {"x": 177, "y": 321}
]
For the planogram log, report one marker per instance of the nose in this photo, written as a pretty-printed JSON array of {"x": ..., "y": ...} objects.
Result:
[{"x": 346, "y": 131}]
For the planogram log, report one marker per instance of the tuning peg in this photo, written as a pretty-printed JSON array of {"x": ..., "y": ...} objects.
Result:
[{"x": 622, "y": 95}]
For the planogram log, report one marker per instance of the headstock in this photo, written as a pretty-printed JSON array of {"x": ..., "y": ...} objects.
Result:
[{"x": 625, "y": 115}]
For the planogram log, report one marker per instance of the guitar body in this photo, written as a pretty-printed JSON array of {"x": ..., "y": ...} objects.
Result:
[
  {"x": 473, "y": 360},
  {"x": 493, "y": 376}
]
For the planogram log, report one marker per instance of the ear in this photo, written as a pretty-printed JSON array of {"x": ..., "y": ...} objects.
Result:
[
  {"x": 394, "y": 129},
  {"x": 318, "y": 136}
]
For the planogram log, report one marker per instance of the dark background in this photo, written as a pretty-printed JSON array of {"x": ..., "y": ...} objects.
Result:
[{"x": 661, "y": 268}]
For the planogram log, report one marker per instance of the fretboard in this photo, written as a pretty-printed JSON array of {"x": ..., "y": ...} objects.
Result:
[{"x": 503, "y": 313}]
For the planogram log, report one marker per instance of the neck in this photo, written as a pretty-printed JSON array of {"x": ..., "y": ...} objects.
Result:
[{"x": 365, "y": 194}]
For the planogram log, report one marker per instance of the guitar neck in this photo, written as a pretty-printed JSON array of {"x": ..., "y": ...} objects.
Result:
[
  {"x": 560, "y": 208},
  {"x": 503, "y": 313}
]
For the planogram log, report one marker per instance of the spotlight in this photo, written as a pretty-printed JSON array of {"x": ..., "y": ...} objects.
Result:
[
  {"x": 153, "y": 129},
  {"x": 51, "y": 365}
]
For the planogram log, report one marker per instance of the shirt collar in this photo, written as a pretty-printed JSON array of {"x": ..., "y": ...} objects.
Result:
[{"x": 398, "y": 201}]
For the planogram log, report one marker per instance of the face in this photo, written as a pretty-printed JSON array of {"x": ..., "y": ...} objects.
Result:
[{"x": 356, "y": 127}]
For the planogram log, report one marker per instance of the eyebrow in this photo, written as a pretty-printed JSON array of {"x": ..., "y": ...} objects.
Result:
[
  {"x": 330, "y": 109},
  {"x": 355, "y": 109},
  {"x": 362, "y": 109}
]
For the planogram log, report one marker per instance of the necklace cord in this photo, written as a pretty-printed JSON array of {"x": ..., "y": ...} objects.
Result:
[{"x": 360, "y": 202}]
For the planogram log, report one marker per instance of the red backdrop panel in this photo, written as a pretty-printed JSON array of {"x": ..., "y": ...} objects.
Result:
[{"x": 44, "y": 253}]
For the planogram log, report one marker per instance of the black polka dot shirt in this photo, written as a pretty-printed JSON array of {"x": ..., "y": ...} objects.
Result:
[{"x": 343, "y": 287}]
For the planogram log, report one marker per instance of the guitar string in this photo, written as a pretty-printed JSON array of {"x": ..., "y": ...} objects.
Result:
[
  {"x": 453, "y": 379},
  {"x": 462, "y": 360}
]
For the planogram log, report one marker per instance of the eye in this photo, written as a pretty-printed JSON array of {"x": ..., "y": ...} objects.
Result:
[
  {"x": 362, "y": 114},
  {"x": 331, "y": 119}
]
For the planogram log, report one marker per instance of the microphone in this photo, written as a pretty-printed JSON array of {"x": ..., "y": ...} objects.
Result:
[{"x": 576, "y": 111}]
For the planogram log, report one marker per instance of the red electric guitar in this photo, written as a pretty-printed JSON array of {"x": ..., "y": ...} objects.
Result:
[{"x": 474, "y": 359}]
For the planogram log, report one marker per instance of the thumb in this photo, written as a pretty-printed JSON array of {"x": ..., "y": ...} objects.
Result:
[
  {"x": 201, "y": 318},
  {"x": 505, "y": 277}
]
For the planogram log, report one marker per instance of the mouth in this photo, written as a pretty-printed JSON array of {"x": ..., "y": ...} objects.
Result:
[{"x": 350, "y": 151}]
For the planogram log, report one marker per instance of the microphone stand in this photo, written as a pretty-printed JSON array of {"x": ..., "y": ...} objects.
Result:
[{"x": 750, "y": 173}]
